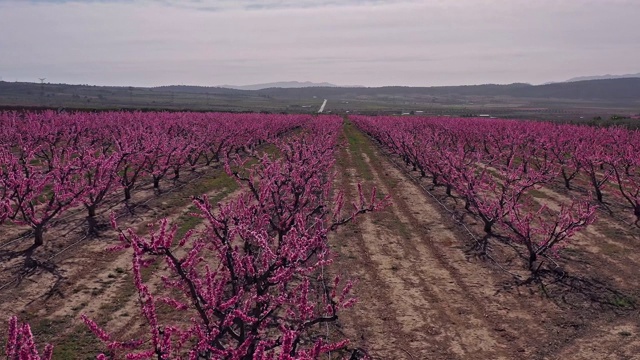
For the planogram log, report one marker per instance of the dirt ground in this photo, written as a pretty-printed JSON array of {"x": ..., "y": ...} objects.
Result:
[
  {"x": 423, "y": 291},
  {"x": 89, "y": 279},
  {"x": 424, "y": 295}
]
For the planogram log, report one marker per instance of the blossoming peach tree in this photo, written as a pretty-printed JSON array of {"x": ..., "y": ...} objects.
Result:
[{"x": 253, "y": 283}]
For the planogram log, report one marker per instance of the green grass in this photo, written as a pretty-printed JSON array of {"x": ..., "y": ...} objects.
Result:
[
  {"x": 624, "y": 302},
  {"x": 359, "y": 144},
  {"x": 189, "y": 222},
  {"x": 611, "y": 249},
  {"x": 81, "y": 343}
]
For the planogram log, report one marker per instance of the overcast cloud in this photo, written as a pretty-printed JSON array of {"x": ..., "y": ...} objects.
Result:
[{"x": 363, "y": 42}]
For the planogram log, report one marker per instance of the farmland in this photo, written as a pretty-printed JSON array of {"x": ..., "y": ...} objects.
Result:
[
  {"x": 239, "y": 236},
  {"x": 580, "y": 102}
]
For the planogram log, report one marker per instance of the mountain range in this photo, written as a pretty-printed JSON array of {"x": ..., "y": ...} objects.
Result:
[
  {"x": 309, "y": 84},
  {"x": 280, "y": 84},
  {"x": 603, "y": 77}
]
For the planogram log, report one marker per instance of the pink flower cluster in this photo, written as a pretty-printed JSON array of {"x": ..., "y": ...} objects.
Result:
[
  {"x": 52, "y": 162},
  {"x": 253, "y": 283},
  {"x": 20, "y": 343},
  {"x": 494, "y": 164}
]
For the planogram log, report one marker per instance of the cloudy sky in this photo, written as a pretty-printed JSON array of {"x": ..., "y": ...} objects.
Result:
[{"x": 346, "y": 42}]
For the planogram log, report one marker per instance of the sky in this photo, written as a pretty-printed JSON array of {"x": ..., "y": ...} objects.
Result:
[{"x": 345, "y": 42}]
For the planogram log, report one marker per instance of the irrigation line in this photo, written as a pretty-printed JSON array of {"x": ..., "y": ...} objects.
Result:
[
  {"x": 85, "y": 236},
  {"x": 15, "y": 240},
  {"x": 166, "y": 192},
  {"x": 57, "y": 221},
  {"x": 451, "y": 212},
  {"x": 76, "y": 211},
  {"x": 48, "y": 259},
  {"x": 67, "y": 248},
  {"x": 9, "y": 283}
]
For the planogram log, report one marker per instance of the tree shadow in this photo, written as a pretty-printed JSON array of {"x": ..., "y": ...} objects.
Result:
[
  {"x": 31, "y": 266},
  {"x": 577, "y": 291}
]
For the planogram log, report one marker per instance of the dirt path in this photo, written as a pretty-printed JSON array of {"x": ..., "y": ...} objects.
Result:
[{"x": 422, "y": 297}]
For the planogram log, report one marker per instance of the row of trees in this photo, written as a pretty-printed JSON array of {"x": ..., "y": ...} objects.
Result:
[
  {"x": 493, "y": 166},
  {"x": 252, "y": 284},
  {"x": 51, "y": 162}
]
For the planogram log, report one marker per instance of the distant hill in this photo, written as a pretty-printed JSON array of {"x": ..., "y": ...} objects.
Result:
[
  {"x": 604, "y": 87},
  {"x": 603, "y": 77},
  {"x": 619, "y": 92},
  {"x": 198, "y": 89},
  {"x": 626, "y": 89},
  {"x": 341, "y": 92},
  {"x": 616, "y": 90},
  {"x": 611, "y": 90},
  {"x": 281, "y": 84}
]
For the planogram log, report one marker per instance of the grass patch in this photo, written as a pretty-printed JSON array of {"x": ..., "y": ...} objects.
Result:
[
  {"x": 610, "y": 232},
  {"x": 624, "y": 302},
  {"x": 79, "y": 307},
  {"x": 402, "y": 229},
  {"x": 358, "y": 145},
  {"x": 392, "y": 182},
  {"x": 80, "y": 344},
  {"x": 208, "y": 183},
  {"x": 47, "y": 328},
  {"x": 107, "y": 309},
  {"x": 189, "y": 222},
  {"x": 611, "y": 249}
]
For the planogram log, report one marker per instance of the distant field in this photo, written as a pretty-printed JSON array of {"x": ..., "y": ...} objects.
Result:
[{"x": 579, "y": 102}]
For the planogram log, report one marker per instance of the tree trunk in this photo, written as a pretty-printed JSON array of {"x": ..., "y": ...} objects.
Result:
[
  {"x": 176, "y": 173},
  {"x": 532, "y": 259},
  {"x": 448, "y": 192},
  {"x": 156, "y": 182},
  {"x": 127, "y": 193},
  {"x": 487, "y": 226},
  {"x": 596, "y": 188},
  {"x": 38, "y": 234},
  {"x": 567, "y": 181},
  {"x": 92, "y": 210},
  {"x": 93, "y": 225},
  {"x": 91, "y": 220},
  {"x": 598, "y": 194}
]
